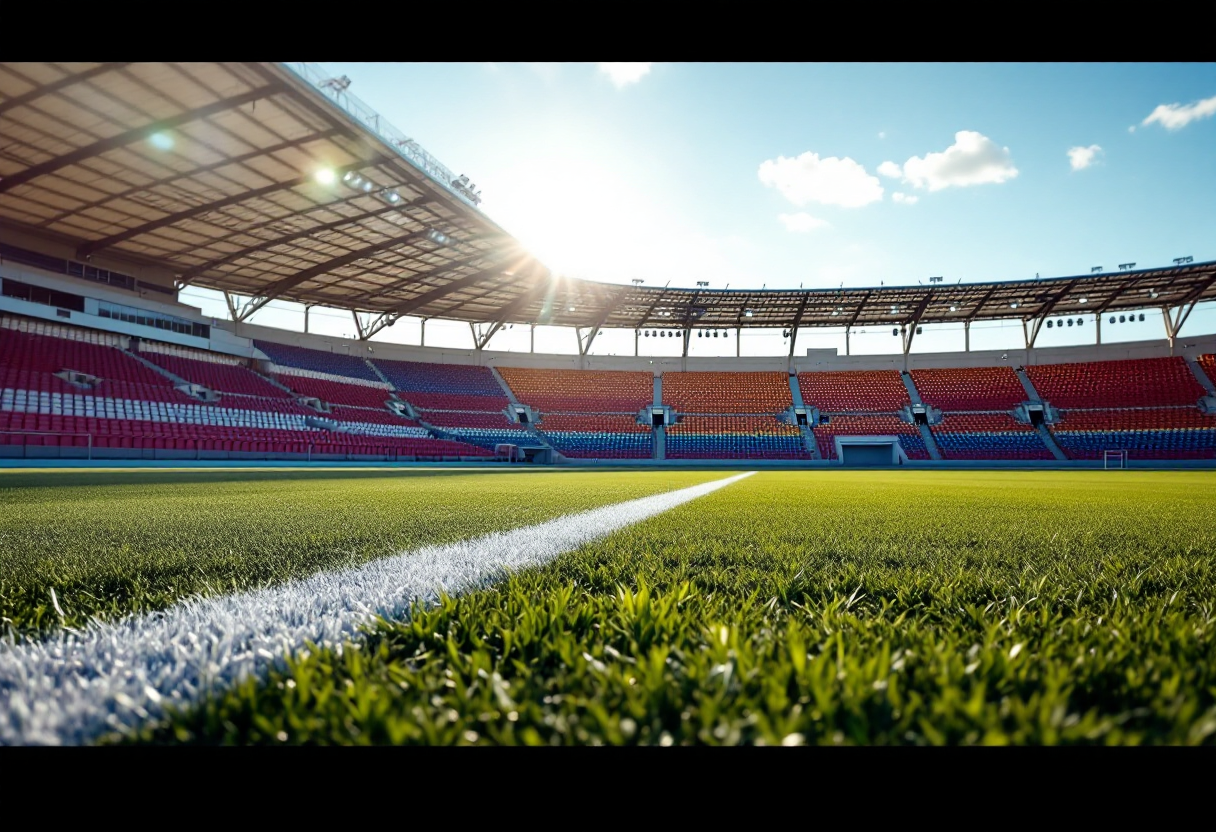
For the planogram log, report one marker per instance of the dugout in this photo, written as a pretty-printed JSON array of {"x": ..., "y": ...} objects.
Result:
[{"x": 870, "y": 451}]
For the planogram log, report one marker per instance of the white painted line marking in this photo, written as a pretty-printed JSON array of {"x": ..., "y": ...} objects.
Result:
[{"x": 74, "y": 687}]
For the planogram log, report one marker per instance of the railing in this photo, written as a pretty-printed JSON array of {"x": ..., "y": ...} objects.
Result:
[{"x": 409, "y": 149}]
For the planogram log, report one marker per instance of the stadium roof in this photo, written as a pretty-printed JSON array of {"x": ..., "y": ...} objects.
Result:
[{"x": 268, "y": 180}]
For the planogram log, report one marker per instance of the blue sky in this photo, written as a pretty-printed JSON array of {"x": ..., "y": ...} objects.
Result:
[{"x": 820, "y": 174}]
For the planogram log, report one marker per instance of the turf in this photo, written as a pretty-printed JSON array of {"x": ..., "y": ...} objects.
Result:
[
  {"x": 112, "y": 543},
  {"x": 802, "y": 607}
]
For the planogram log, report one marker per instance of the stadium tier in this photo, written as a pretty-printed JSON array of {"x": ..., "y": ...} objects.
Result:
[
  {"x": 367, "y": 414},
  {"x": 597, "y": 436},
  {"x": 734, "y": 437},
  {"x": 1151, "y": 433},
  {"x": 331, "y": 363},
  {"x": 854, "y": 391},
  {"x": 988, "y": 436},
  {"x": 580, "y": 391},
  {"x": 875, "y": 425},
  {"x": 727, "y": 392},
  {"x": 1145, "y": 382},
  {"x": 335, "y": 392},
  {"x": 969, "y": 388},
  {"x": 1208, "y": 364},
  {"x": 219, "y": 373},
  {"x": 445, "y": 386}
]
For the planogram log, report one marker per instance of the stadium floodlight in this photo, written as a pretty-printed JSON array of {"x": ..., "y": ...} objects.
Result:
[
  {"x": 569, "y": 308},
  {"x": 1125, "y": 266},
  {"x": 747, "y": 313},
  {"x": 338, "y": 84},
  {"x": 937, "y": 278},
  {"x": 1083, "y": 300},
  {"x": 325, "y": 176},
  {"x": 1179, "y": 261},
  {"x": 953, "y": 308},
  {"x": 702, "y": 283},
  {"x": 646, "y": 334},
  {"x": 1070, "y": 321},
  {"x": 392, "y": 196},
  {"x": 163, "y": 141},
  {"x": 1080, "y": 321},
  {"x": 1095, "y": 270},
  {"x": 367, "y": 186},
  {"x": 715, "y": 333},
  {"x": 1049, "y": 324},
  {"x": 1142, "y": 316},
  {"x": 699, "y": 334},
  {"x": 1112, "y": 319},
  {"x": 637, "y": 281},
  {"x": 1122, "y": 319},
  {"x": 895, "y": 332},
  {"x": 352, "y": 178},
  {"x": 1013, "y": 305}
]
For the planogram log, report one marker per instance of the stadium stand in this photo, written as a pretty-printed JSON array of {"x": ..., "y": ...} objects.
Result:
[
  {"x": 969, "y": 388},
  {"x": 727, "y": 392},
  {"x": 580, "y": 391},
  {"x": 602, "y": 436},
  {"x": 215, "y": 372},
  {"x": 335, "y": 392},
  {"x": 1208, "y": 364},
  {"x": 1144, "y": 382},
  {"x": 734, "y": 437},
  {"x": 872, "y": 425},
  {"x": 330, "y": 363},
  {"x": 1148, "y": 433},
  {"x": 987, "y": 436},
  {"x": 854, "y": 391},
  {"x": 445, "y": 386}
]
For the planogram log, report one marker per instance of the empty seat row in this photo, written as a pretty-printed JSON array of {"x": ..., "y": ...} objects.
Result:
[
  {"x": 727, "y": 392},
  {"x": 332, "y": 363},
  {"x": 581, "y": 391},
  {"x": 970, "y": 388},
  {"x": 1143, "y": 382},
  {"x": 847, "y": 391}
]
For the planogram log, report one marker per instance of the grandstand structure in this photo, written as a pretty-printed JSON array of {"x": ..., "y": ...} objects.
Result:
[{"x": 123, "y": 183}]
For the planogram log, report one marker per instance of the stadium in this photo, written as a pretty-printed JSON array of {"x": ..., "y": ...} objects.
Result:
[{"x": 221, "y": 531}]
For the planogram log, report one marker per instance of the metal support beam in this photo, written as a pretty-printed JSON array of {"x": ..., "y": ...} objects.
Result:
[
  {"x": 584, "y": 344},
  {"x": 231, "y": 307},
  {"x": 307, "y": 307},
  {"x": 423, "y": 341},
  {"x": 120, "y": 140},
  {"x": 190, "y": 274},
  {"x": 532, "y": 339},
  {"x": 484, "y": 341},
  {"x": 687, "y": 334},
  {"x": 358, "y": 324},
  {"x": 1025, "y": 334},
  {"x": 797, "y": 320},
  {"x": 847, "y": 329},
  {"x": 56, "y": 86},
  {"x": 1170, "y": 330},
  {"x": 913, "y": 322},
  {"x": 738, "y": 338},
  {"x": 384, "y": 320},
  {"x": 1098, "y": 329},
  {"x": 637, "y": 336},
  {"x": 966, "y": 336}
]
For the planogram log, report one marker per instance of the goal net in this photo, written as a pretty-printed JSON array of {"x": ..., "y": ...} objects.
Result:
[{"x": 1114, "y": 459}]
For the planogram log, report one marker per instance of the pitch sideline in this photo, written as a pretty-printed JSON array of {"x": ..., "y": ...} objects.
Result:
[{"x": 75, "y": 686}]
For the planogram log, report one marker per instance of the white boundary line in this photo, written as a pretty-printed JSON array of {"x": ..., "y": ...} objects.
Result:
[{"x": 75, "y": 686}]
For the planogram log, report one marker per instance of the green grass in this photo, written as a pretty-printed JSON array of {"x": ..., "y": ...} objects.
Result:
[
  {"x": 802, "y": 607},
  {"x": 111, "y": 543}
]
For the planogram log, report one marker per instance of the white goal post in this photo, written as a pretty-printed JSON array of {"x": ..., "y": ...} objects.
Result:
[{"x": 1114, "y": 459}]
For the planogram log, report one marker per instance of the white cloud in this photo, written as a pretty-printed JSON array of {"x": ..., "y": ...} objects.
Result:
[
  {"x": 1177, "y": 116},
  {"x": 973, "y": 159},
  {"x": 1082, "y": 157},
  {"x": 624, "y": 74},
  {"x": 890, "y": 169},
  {"x": 1131, "y": 128},
  {"x": 830, "y": 181},
  {"x": 907, "y": 199},
  {"x": 882, "y": 134},
  {"x": 801, "y": 222}
]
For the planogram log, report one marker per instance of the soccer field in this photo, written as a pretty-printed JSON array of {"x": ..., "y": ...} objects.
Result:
[{"x": 607, "y": 607}]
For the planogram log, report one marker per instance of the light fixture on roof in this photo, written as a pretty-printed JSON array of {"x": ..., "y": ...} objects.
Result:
[
  {"x": 702, "y": 283},
  {"x": 1152, "y": 293},
  {"x": 937, "y": 278},
  {"x": 1013, "y": 305},
  {"x": 1142, "y": 316},
  {"x": 1095, "y": 270},
  {"x": 1049, "y": 324},
  {"x": 1080, "y": 321},
  {"x": 437, "y": 237},
  {"x": 569, "y": 308},
  {"x": 392, "y": 196},
  {"x": 1181, "y": 261},
  {"x": 637, "y": 281},
  {"x": 715, "y": 333},
  {"x": 367, "y": 186},
  {"x": 953, "y": 308},
  {"x": 1126, "y": 266},
  {"x": 352, "y": 178},
  {"x": 835, "y": 312},
  {"x": 163, "y": 141},
  {"x": 747, "y": 313},
  {"x": 325, "y": 176},
  {"x": 1082, "y": 300}
]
